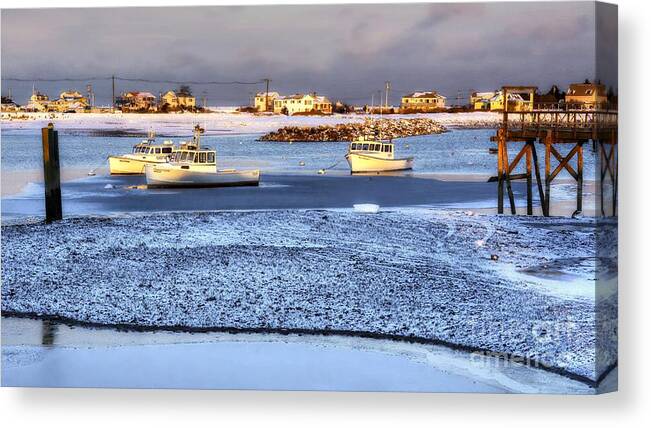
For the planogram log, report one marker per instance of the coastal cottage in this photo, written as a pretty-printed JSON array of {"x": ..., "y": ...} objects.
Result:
[
  {"x": 586, "y": 95},
  {"x": 38, "y": 102},
  {"x": 481, "y": 100},
  {"x": 178, "y": 101},
  {"x": 8, "y": 105},
  {"x": 300, "y": 103},
  {"x": 551, "y": 100},
  {"x": 422, "y": 102},
  {"x": 516, "y": 102},
  {"x": 137, "y": 102},
  {"x": 264, "y": 101},
  {"x": 69, "y": 101}
]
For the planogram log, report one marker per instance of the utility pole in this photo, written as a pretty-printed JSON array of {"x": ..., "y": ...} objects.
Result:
[
  {"x": 266, "y": 97},
  {"x": 386, "y": 94},
  {"x": 91, "y": 96},
  {"x": 113, "y": 92}
]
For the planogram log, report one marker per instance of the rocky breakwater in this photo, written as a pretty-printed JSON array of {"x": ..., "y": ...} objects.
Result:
[{"x": 384, "y": 128}]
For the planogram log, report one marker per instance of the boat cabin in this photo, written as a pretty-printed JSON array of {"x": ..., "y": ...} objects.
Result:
[
  {"x": 146, "y": 148},
  {"x": 371, "y": 146},
  {"x": 201, "y": 157}
]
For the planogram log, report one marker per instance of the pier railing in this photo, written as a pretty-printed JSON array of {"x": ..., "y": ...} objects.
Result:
[{"x": 565, "y": 120}]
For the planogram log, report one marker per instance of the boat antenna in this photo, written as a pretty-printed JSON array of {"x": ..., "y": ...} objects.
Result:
[
  {"x": 198, "y": 130},
  {"x": 379, "y": 123}
]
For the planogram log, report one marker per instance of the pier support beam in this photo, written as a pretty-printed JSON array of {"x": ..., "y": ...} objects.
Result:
[
  {"x": 51, "y": 174},
  {"x": 527, "y": 147},
  {"x": 608, "y": 169},
  {"x": 548, "y": 168},
  {"x": 505, "y": 175},
  {"x": 579, "y": 178},
  {"x": 500, "y": 176}
]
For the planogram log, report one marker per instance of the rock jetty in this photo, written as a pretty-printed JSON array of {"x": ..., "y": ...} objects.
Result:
[{"x": 386, "y": 128}]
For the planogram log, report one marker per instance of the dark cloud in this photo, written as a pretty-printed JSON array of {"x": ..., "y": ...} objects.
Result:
[{"x": 344, "y": 51}]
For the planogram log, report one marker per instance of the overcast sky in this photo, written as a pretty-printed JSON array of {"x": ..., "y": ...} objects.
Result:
[{"x": 343, "y": 51}]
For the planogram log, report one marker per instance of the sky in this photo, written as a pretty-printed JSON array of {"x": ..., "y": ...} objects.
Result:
[{"x": 346, "y": 52}]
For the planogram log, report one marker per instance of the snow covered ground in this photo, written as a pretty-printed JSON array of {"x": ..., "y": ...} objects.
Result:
[
  {"x": 220, "y": 122},
  {"x": 421, "y": 275}
]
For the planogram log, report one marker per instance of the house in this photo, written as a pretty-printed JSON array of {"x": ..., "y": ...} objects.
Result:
[
  {"x": 69, "y": 101},
  {"x": 550, "y": 100},
  {"x": 38, "y": 102},
  {"x": 301, "y": 103},
  {"x": 8, "y": 104},
  {"x": 422, "y": 102},
  {"x": 137, "y": 102},
  {"x": 264, "y": 101},
  {"x": 178, "y": 101},
  {"x": 586, "y": 95},
  {"x": 516, "y": 102},
  {"x": 481, "y": 100}
]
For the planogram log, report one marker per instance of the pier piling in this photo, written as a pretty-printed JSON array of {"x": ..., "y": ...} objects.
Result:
[{"x": 51, "y": 174}]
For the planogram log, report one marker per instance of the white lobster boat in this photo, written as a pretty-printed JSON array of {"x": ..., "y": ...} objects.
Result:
[
  {"x": 194, "y": 166},
  {"x": 366, "y": 155},
  {"x": 144, "y": 153}
]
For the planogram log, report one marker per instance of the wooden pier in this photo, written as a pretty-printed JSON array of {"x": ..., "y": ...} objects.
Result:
[{"x": 553, "y": 126}]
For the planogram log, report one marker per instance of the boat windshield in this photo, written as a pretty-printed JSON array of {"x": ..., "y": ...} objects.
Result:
[
  {"x": 192, "y": 156},
  {"x": 372, "y": 147}
]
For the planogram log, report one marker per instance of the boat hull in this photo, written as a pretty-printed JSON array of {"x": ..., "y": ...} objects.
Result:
[
  {"x": 174, "y": 176},
  {"x": 367, "y": 163},
  {"x": 120, "y": 165}
]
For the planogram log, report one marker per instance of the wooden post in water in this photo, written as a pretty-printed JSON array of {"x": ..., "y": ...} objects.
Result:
[{"x": 51, "y": 174}]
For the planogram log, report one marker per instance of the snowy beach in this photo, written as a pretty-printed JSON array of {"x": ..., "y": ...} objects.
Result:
[
  {"x": 424, "y": 275},
  {"x": 221, "y": 121}
]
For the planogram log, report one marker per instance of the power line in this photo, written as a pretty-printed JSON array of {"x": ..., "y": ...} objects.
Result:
[
  {"x": 72, "y": 79},
  {"x": 189, "y": 82},
  {"x": 129, "y": 79}
]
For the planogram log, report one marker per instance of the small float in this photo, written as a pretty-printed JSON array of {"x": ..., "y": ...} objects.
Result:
[{"x": 194, "y": 166}]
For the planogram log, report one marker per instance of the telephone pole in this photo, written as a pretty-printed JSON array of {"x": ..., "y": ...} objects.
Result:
[
  {"x": 113, "y": 94},
  {"x": 266, "y": 96},
  {"x": 386, "y": 94}
]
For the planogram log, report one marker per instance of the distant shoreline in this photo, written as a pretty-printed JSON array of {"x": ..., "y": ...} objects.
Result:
[{"x": 177, "y": 125}]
